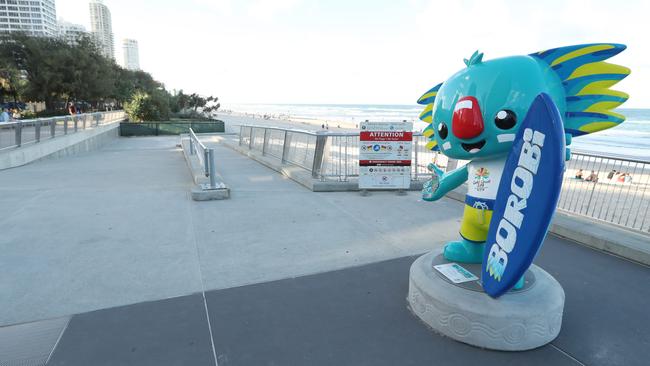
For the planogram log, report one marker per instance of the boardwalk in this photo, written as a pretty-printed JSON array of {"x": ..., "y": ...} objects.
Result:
[{"x": 285, "y": 276}]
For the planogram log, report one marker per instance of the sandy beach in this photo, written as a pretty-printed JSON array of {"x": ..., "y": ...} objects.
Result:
[
  {"x": 624, "y": 203},
  {"x": 285, "y": 121}
]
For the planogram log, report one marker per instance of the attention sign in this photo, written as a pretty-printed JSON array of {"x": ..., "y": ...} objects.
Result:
[{"x": 385, "y": 155}]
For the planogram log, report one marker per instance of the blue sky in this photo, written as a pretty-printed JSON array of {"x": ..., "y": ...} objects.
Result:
[{"x": 309, "y": 51}]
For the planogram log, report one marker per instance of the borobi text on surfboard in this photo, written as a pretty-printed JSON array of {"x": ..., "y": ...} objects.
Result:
[{"x": 521, "y": 187}]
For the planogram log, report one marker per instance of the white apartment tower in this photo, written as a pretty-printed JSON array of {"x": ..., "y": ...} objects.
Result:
[
  {"x": 131, "y": 54},
  {"x": 101, "y": 27},
  {"x": 35, "y": 18},
  {"x": 70, "y": 32}
]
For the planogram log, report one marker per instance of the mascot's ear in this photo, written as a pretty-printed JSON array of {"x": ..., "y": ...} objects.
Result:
[
  {"x": 586, "y": 80},
  {"x": 427, "y": 115}
]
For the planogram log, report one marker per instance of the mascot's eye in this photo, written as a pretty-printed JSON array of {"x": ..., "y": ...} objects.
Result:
[
  {"x": 443, "y": 131},
  {"x": 505, "y": 119}
]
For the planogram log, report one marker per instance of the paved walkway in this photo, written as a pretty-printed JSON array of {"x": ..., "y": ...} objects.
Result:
[
  {"x": 117, "y": 227},
  {"x": 115, "y": 231}
]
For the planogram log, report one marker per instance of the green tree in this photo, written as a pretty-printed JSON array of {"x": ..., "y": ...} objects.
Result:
[
  {"x": 50, "y": 70},
  {"x": 147, "y": 107}
]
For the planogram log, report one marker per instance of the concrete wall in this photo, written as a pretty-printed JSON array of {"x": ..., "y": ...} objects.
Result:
[{"x": 60, "y": 146}]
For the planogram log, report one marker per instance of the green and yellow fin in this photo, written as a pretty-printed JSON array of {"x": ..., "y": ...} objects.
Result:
[
  {"x": 429, "y": 96},
  {"x": 587, "y": 81},
  {"x": 427, "y": 114},
  {"x": 432, "y": 145}
]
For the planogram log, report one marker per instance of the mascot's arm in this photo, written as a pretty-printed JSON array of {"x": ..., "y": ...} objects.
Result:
[{"x": 442, "y": 182}]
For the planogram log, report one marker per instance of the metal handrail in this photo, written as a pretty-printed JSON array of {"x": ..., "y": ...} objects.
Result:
[
  {"x": 312, "y": 133},
  {"x": 22, "y": 129},
  {"x": 334, "y": 155},
  {"x": 610, "y": 156},
  {"x": 206, "y": 158}
]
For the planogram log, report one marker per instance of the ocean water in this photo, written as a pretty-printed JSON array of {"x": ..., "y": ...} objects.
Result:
[{"x": 631, "y": 139}]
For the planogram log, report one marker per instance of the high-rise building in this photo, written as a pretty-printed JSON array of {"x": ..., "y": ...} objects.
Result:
[
  {"x": 36, "y": 18},
  {"x": 131, "y": 54},
  {"x": 70, "y": 32},
  {"x": 101, "y": 27}
]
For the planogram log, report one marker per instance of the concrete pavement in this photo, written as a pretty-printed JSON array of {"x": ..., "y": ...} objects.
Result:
[
  {"x": 285, "y": 276},
  {"x": 117, "y": 226}
]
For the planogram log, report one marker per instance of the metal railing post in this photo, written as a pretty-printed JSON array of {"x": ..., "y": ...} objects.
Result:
[
  {"x": 191, "y": 145},
  {"x": 213, "y": 179},
  {"x": 415, "y": 148},
  {"x": 251, "y": 138},
  {"x": 53, "y": 128},
  {"x": 206, "y": 163},
  {"x": 319, "y": 150},
  {"x": 266, "y": 140},
  {"x": 285, "y": 146},
  {"x": 65, "y": 125},
  {"x": 241, "y": 134},
  {"x": 19, "y": 133},
  {"x": 37, "y": 130},
  {"x": 84, "y": 119},
  {"x": 76, "y": 123}
]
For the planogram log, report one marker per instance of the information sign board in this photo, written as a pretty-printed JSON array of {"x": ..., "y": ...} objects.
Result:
[{"x": 385, "y": 155}]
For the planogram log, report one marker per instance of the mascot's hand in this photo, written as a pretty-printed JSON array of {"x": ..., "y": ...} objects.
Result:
[{"x": 430, "y": 189}]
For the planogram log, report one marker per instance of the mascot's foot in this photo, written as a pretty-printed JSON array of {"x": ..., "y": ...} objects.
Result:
[
  {"x": 520, "y": 284},
  {"x": 464, "y": 252}
]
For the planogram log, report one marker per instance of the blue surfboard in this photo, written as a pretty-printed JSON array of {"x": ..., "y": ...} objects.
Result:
[{"x": 526, "y": 199}]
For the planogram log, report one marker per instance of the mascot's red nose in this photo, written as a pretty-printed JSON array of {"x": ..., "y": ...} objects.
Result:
[{"x": 467, "y": 121}]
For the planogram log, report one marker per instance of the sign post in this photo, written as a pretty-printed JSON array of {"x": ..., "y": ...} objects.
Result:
[{"x": 385, "y": 155}]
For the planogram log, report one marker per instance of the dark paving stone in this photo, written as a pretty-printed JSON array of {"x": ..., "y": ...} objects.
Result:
[
  {"x": 356, "y": 316},
  {"x": 166, "y": 332},
  {"x": 606, "y": 318},
  {"x": 30, "y": 344}
]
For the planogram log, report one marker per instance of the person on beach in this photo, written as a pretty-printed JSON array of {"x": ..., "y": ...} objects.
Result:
[
  {"x": 621, "y": 178},
  {"x": 579, "y": 174},
  {"x": 593, "y": 177},
  {"x": 71, "y": 109},
  {"x": 4, "y": 116},
  {"x": 16, "y": 114},
  {"x": 611, "y": 174},
  {"x": 628, "y": 178}
]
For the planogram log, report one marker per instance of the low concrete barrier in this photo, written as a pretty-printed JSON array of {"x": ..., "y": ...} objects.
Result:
[
  {"x": 82, "y": 141},
  {"x": 600, "y": 235},
  {"x": 300, "y": 175}
]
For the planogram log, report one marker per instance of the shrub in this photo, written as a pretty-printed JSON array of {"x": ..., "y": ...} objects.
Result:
[{"x": 147, "y": 107}]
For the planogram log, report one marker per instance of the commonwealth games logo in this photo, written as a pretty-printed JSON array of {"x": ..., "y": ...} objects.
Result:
[{"x": 481, "y": 178}]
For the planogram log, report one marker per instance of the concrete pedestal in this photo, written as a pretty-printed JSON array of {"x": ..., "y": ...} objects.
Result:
[
  {"x": 203, "y": 192},
  {"x": 517, "y": 321}
]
